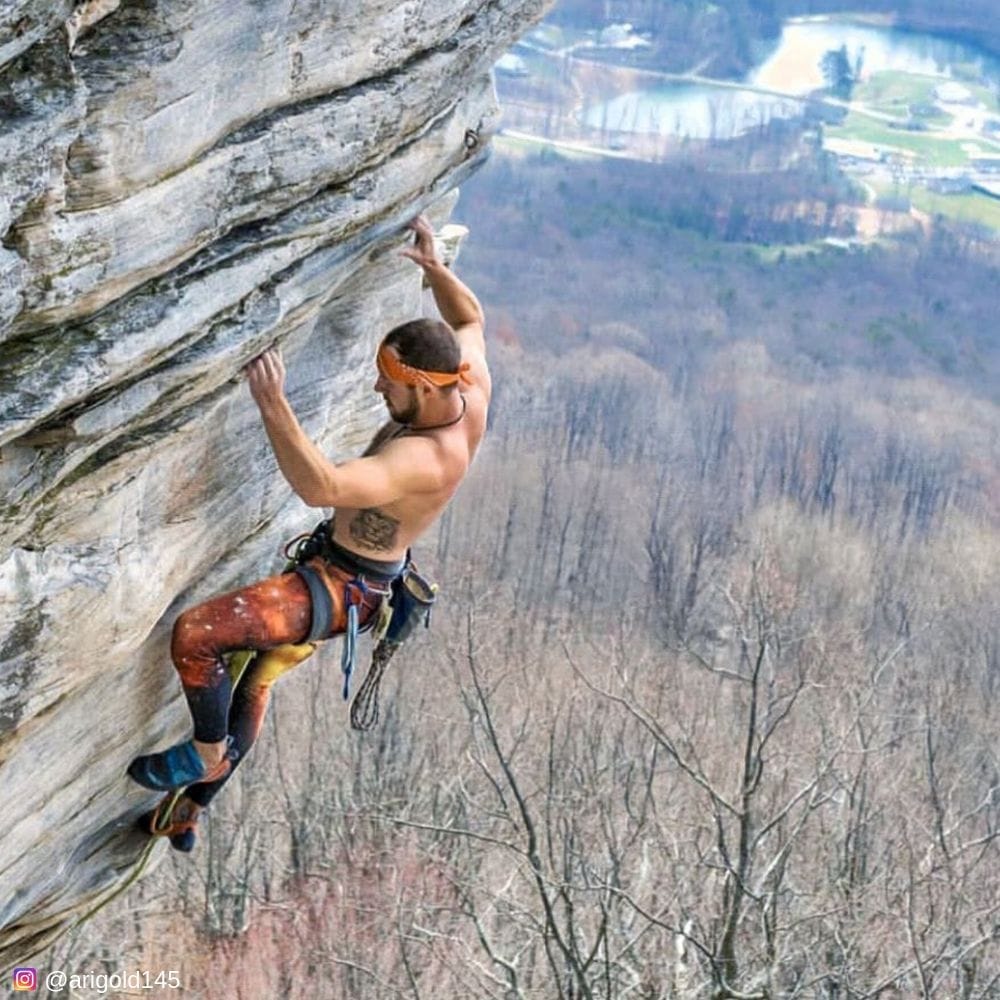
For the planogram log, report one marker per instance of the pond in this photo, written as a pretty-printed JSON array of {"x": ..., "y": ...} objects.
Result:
[{"x": 793, "y": 67}]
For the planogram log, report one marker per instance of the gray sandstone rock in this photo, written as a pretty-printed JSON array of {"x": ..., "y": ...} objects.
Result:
[
  {"x": 23, "y": 23},
  {"x": 189, "y": 184}
]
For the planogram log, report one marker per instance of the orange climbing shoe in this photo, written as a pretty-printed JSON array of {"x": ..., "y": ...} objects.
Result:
[{"x": 178, "y": 823}]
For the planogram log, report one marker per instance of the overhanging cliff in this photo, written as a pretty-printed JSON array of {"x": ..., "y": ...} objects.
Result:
[{"x": 181, "y": 185}]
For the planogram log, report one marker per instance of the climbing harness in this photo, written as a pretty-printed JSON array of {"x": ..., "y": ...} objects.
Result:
[
  {"x": 406, "y": 603},
  {"x": 322, "y": 606},
  {"x": 368, "y": 576}
]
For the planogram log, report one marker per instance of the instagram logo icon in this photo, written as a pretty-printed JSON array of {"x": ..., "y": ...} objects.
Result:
[{"x": 25, "y": 980}]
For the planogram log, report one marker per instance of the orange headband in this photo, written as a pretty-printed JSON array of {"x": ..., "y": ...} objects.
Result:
[{"x": 392, "y": 368}]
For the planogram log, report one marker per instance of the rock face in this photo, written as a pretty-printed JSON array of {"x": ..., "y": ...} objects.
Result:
[{"x": 182, "y": 184}]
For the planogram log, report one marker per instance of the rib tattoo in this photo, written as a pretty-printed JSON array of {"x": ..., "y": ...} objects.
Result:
[{"x": 373, "y": 529}]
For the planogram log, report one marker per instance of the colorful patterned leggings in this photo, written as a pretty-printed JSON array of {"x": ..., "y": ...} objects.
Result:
[{"x": 272, "y": 615}]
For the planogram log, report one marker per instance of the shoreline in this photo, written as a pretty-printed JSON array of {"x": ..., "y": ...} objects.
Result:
[{"x": 988, "y": 46}]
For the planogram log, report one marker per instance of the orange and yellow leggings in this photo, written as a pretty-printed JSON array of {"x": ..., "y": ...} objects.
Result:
[{"x": 272, "y": 616}]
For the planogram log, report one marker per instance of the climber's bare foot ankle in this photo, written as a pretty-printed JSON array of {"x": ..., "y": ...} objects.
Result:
[{"x": 210, "y": 753}]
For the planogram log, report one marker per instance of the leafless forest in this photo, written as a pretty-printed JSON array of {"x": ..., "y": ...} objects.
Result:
[{"x": 709, "y": 705}]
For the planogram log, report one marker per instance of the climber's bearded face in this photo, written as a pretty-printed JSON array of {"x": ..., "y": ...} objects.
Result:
[
  {"x": 406, "y": 409},
  {"x": 401, "y": 400}
]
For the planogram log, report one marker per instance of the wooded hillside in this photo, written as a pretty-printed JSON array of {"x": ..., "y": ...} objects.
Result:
[{"x": 708, "y": 708}]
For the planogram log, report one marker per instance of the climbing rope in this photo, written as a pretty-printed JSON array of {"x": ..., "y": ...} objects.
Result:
[{"x": 139, "y": 867}]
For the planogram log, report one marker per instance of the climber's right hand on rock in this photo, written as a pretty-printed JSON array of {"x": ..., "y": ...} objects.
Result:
[
  {"x": 423, "y": 251},
  {"x": 266, "y": 377}
]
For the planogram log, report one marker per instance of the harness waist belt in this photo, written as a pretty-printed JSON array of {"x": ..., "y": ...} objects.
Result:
[
  {"x": 322, "y": 605},
  {"x": 375, "y": 570}
]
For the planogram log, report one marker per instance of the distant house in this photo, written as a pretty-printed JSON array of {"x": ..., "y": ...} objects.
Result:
[
  {"x": 984, "y": 187},
  {"x": 510, "y": 64},
  {"x": 621, "y": 36},
  {"x": 953, "y": 93},
  {"x": 948, "y": 185},
  {"x": 853, "y": 151}
]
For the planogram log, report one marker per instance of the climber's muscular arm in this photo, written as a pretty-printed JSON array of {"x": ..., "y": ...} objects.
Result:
[
  {"x": 404, "y": 468},
  {"x": 456, "y": 302}
]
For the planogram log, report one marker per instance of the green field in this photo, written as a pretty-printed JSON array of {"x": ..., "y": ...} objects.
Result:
[
  {"x": 776, "y": 252},
  {"x": 972, "y": 207},
  {"x": 926, "y": 146},
  {"x": 894, "y": 92},
  {"x": 969, "y": 207}
]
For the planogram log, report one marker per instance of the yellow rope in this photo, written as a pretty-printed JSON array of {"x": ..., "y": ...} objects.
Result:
[{"x": 140, "y": 865}]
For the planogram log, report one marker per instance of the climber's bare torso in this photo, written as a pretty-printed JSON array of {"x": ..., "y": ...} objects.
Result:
[{"x": 387, "y": 530}]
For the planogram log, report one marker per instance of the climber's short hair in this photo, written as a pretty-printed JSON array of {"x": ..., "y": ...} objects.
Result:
[{"x": 427, "y": 344}]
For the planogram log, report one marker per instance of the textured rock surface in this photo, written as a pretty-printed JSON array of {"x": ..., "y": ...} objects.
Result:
[{"x": 189, "y": 183}]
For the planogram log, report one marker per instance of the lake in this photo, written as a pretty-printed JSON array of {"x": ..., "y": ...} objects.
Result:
[{"x": 793, "y": 68}]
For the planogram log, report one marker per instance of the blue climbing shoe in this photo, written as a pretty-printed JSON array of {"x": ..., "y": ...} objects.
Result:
[{"x": 176, "y": 767}]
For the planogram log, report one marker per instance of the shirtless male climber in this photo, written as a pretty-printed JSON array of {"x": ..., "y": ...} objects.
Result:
[{"x": 436, "y": 386}]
